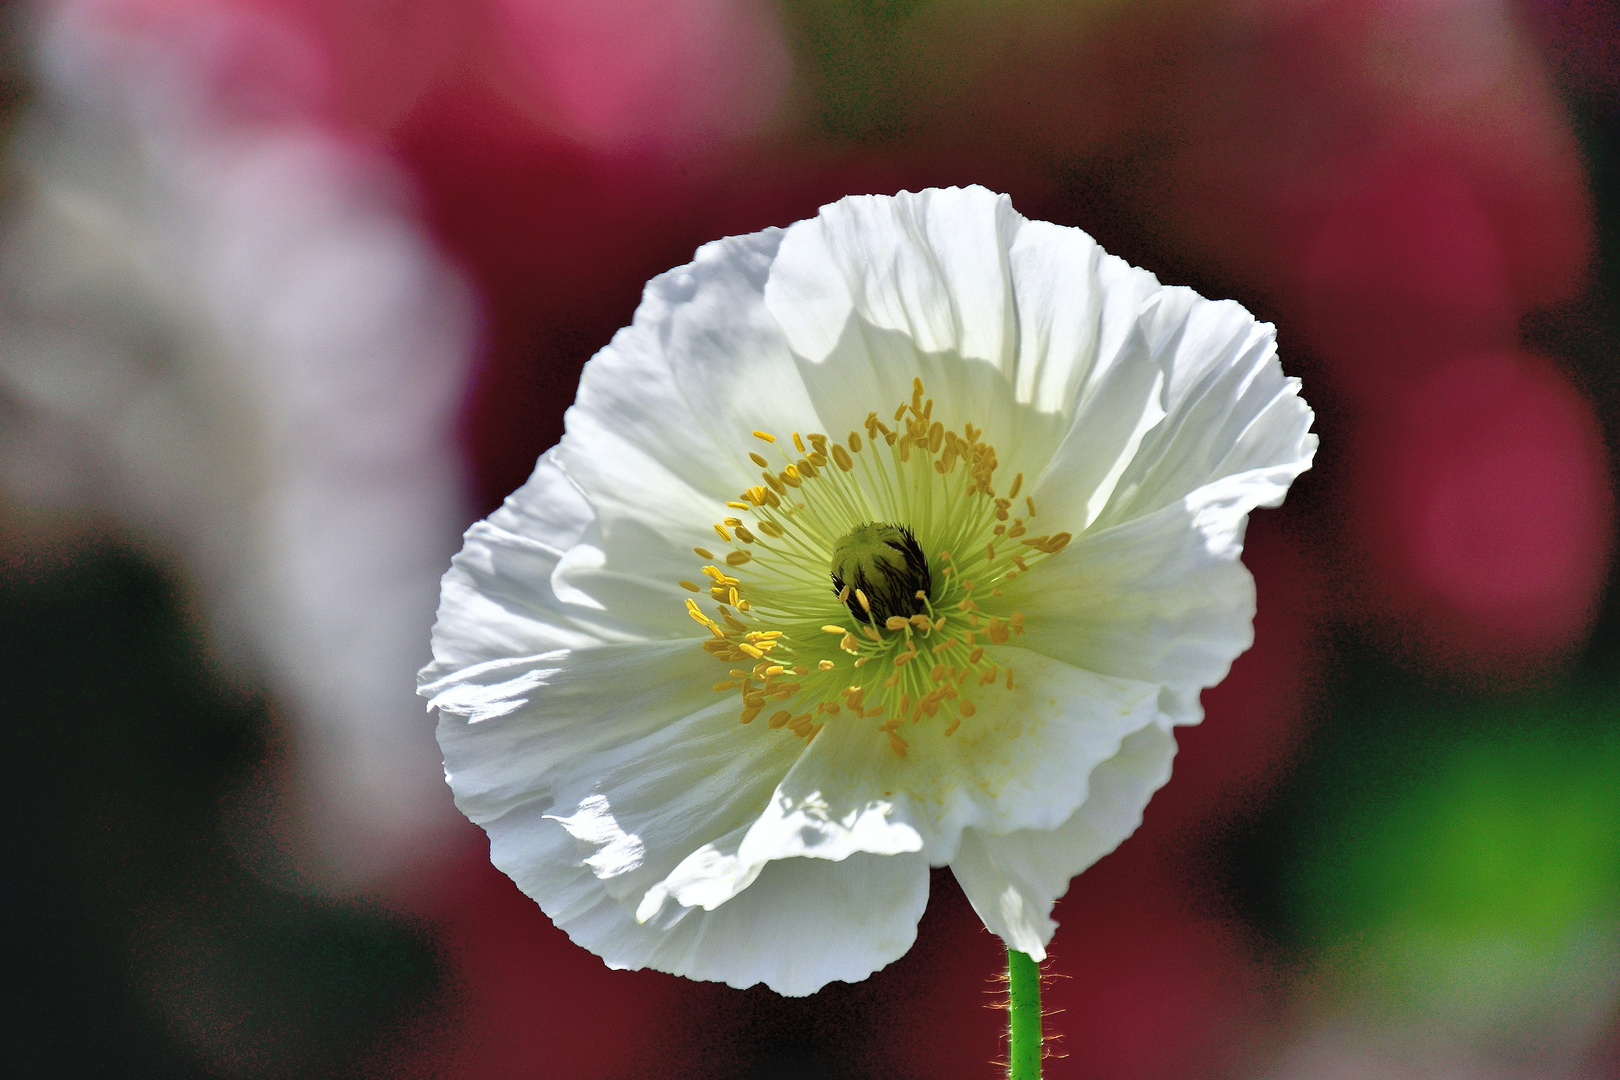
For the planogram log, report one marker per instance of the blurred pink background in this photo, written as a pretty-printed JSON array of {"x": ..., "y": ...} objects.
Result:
[{"x": 291, "y": 291}]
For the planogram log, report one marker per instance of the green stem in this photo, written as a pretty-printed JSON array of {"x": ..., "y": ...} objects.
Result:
[{"x": 1023, "y": 1017}]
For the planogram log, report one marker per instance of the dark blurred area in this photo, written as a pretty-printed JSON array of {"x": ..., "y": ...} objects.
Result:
[{"x": 291, "y": 291}]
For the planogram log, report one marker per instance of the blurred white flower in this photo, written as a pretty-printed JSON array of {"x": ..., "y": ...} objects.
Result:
[
  {"x": 957, "y": 631},
  {"x": 222, "y": 322}
]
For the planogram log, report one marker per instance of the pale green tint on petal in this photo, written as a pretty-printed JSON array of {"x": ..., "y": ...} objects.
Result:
[
  {"x": 1012, "y": 881},
  {"x": 1020, "y": 763}
]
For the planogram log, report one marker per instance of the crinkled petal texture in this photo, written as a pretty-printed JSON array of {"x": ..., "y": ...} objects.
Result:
[{"x": 577, "y": 717}]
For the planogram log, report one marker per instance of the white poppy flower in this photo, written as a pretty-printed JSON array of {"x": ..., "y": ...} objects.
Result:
[{"x": 956, "y": 500}]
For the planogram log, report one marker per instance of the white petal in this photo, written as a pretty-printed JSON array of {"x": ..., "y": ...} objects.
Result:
[
  {"x": 1163, "y": 599},
  {"x": 661, "y": 430},
  {"x": 1230, "y": 415},
  {"x": 1009, "y": 323},
  {"x": 624, "y": 745},
  {"x": 802, "y": 923},
  {"x": 1012, "y": 881},
  {"x": 930, "y": 266},
  {"x": 1020, "y": 763}
]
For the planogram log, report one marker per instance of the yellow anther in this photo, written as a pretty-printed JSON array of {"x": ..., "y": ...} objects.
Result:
[
  {"x": 749, "y": 713},
  {"x": 697, "y": 613},
  {"x": 767, "y": 436},
  {"x": 790, "y": 476},
  {"x": 871, "y": 632},
  {"x": 721, "y": 531},
  {"x": 1018, "y": 482},
  {"x": 896, "y": 622},
  {"x": 831, "y": 629},
  {"x": 920, "y": 595},
  {"x": 775, "y": 484},
  {"x": 825, "y": 665},
  {"x": 818, "y": 459},
  {"x": 841, "y": 457},
  {"x": 731, "y": 521},
  {"x": 689, "y": 586},
  {"x": 819, "y": 442},
  {"x": 1029, "y": 501},
  {"x": 737, "y": 558},
  {"x": 734, "y": 596},
  {"x": 903, "y": 659},
  {"x": 750, "y": 650},
  {"x": 843, "y": 595},
  {"x": 854, "y": 442},
  {"x": 936, "y": 436},
  {"x": 798, "y": 443},
  {"x": 780, "y": 717},
  {"x": 860, "y": 598},
  {"x": 703, "y": 553},
  {"x": 743, "y": 534},
  {"x": 758, "y": 459},
  {"x": 850, "y": 644},
  {"x": 727, "y": 684},
  {"x": 898, "y": 413},
  {"x": 732, "y": 622}
]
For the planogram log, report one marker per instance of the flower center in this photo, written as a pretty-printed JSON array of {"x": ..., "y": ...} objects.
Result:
[
  {"x": 885, "y": 567},
  {"x": 918, "y": 544}
]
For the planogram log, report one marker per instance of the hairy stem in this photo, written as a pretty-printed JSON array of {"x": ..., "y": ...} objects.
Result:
[{"x": 1023, "y": 1017}]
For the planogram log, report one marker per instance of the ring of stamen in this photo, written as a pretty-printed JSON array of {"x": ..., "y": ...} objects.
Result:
[{"x": 861, "y": 511}]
